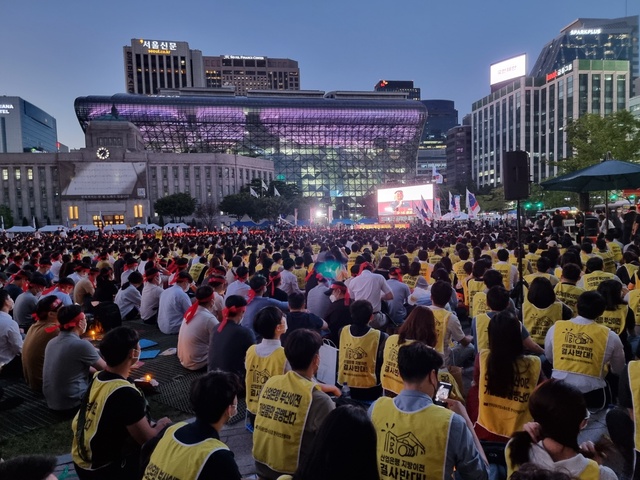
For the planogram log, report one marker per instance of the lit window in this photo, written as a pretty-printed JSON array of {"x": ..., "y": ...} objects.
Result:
[{"x": 73, "y": 212}]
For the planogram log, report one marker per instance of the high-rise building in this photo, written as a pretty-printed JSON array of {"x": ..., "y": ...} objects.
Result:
[
  {"x": 154, "y": 65},
  {"x": 459, "y": 154},
  {"x": 26, "y": 128},
  {"x": 441, "y": 116},
  {"x": 531, "y": 112},
  {"x": 403, "y": 86}
]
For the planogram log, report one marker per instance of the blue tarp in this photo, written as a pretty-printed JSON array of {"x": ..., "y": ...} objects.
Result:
[{"x": 368, "y": 221}]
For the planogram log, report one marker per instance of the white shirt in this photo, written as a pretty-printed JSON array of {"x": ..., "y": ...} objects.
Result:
[
  {"x": 237, "y": 288},
  {"x": 289, "y": 282},
  {"x": 369, "y": 286},
  {"x": 174, "y": 302},
  {"x": 10, "y": 338},
  {"x": 150, "y": 300},
  {"x": 128, "y": 299},
  {"x": 614, "y": 355},
  {"x": 193, "y": 339}
]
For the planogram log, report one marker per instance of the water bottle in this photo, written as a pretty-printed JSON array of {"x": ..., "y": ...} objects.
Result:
[{"x": 346, "y": 391}]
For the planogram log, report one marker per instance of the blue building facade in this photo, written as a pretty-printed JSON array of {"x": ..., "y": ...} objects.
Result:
[{"x": 25, "y": 127}]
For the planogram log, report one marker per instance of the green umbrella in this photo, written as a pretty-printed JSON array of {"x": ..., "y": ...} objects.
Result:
[{"x": 606, "y": 175}]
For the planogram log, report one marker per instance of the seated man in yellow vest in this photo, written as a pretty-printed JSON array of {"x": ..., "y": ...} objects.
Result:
[
  {"x": 508, "y": 272},
  {"x": 595, "y": 275},
  {"x": 579, "y": 350},
  {"x": 417, "y": 438},
  {"x": 291, "y": 409},
  {"x": 194, "y": 450},
  {"x": 542, "y": 267},
  {"x": 361, "y": 353},
  {"x": 112, "y": 423},
  {"x": 567, "y": 291}
]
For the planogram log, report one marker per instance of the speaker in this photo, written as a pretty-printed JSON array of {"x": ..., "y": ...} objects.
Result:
[{"x": 515, "y": 175}]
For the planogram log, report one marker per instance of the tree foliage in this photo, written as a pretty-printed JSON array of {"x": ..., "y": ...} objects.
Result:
[
  {"x": 175, "y": 206},
  {"x": 7, "y": 216},
  {"x": 207, "y": 212},
  {"x": 239, "y": 204},
  {"x": 492, "y": 200},
  {"x": 592, "y": 137}
]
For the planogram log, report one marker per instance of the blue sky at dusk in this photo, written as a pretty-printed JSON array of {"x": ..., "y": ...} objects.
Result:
[{"x": 53, "y": 52}]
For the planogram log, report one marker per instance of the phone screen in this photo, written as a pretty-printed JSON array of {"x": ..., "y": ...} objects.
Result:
[{"x": 444, "y": 389}]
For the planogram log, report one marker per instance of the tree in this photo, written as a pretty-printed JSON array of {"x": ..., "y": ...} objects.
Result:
[
  {"x": 207, "y": 213},
  {"x": 240, "y": 204},
  {"x": 272, "y": 207},
  {"x": 493, "y": 200},
  {"x": 591, "y": 137},
  {"x": 175, "y": 206},
  {"x": 7, "y": 216}
]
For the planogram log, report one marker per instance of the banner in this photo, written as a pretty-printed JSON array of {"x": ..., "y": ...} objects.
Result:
[
  {"x": 473, "y": 207},
  {"x": 437, "y": 214},
  {"x": 452, "y": 203},
  {"x": 456, "y": 205}
]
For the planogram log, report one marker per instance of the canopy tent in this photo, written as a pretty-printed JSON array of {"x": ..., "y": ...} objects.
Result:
[
  {"x": 368, "y": 221},
  {"x": 147, "y": 226},
  {"x": 86, "y": 228},
  {"x": 17, "y": 229},
  {"x": 343, "y": 221},
  {"x": 52, "y": 228},
  {"x": 116, "y": 228},
  {"x": 247, "y": 224},
  {"x": 181, "y": 225},
  {"x": 606, "y": 175}
]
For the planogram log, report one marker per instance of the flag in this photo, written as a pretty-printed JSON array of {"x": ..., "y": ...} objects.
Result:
[
  {"x": 473, "y": 207},
  {"x": 276, "y": 193},
  {"x": 264, "y": 185},
  {"x": 101, "y": 219},
  {"x": 2, "y": 222},
  {"x": 295, "y": 216},
  {"x": 452, "y": 204},
  {"x": 425, "y": 208},
  {"x": 435, "y": 176},
  {"x": 437, "y": 214},
  {"x": 34, "y": 223},
  {"x": 421, "y": 213},
  {"x": 456, "y": 204},
  {"x": 253, "y": 192}
]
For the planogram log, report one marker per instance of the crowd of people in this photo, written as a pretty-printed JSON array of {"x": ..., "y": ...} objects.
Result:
[{"x": 544, "y": 330}]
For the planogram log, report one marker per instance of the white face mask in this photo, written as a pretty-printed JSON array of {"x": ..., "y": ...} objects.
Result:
[
  {"x": 286, "y": 327},
  {"x": 333, "y": 298}
]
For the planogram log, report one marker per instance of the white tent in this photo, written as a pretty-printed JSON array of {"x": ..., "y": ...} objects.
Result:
[
  {"x": 147, "y": 226},
  {"x": 52, "y": 228},
  {"x": 86, "y": 228},
  {"x": 17, "y": 229},
  {"x": 116, "y": 228},
  {"x": 181, "y": 225}
]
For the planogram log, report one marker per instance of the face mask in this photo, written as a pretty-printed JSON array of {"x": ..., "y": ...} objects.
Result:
[
  {"x": 333, "y": 298},
  {"x": 285, "y": 325}
]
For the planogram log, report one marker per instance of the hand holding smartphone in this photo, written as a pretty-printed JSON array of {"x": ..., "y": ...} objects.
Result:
[{"x": 444, "y": 389}]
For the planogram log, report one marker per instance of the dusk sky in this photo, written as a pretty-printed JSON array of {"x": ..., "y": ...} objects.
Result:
[{"x": 53, "y": 52}]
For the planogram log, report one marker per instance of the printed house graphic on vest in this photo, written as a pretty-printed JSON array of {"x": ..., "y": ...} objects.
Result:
[
  {"x": 579, "y": 338},
  {"x": 356, "y": 353},
  {"x": 260, "y": 377},
  {"x": 405, "y": 445}
]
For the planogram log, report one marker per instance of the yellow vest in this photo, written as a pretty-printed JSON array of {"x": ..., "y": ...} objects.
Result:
[
  {"x": 283, "y": 408},
  {"x": 173, "y": 459},
  {"x": 357, "y": 358},
  {"x": 411, "y": 445},
  {"x": 568, "y": 294},
  {"x": 83, "y": 434},
  {"x": 390, "y": 375},
  {"x": 505, "y": 415},
  {"x": 538, "y": 320},
  {"x": 631, "y": 269},
  {"x": 480, "y": 303},
  {"x": 473, "y": 286},
  {"x": 482, "y": 332},
  {"x": 592, "y": 280},
  {"x": 196, "y": 270},
  {"x": 445, "y": 376},
  {"x": 259, "y": 370},
  {"x": 410, "y": 280},
  {"x": 609, "y": 264},
  {"x": 458, "y": 269},
  {"x": 425, "y": 269},
  {"x": 614, "y": 319},
  {"x": 615, "y": 250},
  {"x": 505, "y": 271},
  {"x": 634, "y": 303},
  {"x": 591, "y": 471},
  {"x": 579, "y": 348},
  {"x": 301, "y": 274},
  {"x": 433, "y": 259},
  {"x": 634, "y": 384},
  {"x": 351, "y": 261},
  {"x": 530, "y": 278},
  {"x": 441, "y": 317}
]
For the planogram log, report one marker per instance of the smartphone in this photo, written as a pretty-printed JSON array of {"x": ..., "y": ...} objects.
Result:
[{"x": 444, "y": 389}]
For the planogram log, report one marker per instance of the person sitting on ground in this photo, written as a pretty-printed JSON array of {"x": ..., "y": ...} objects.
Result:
[
  {"x": 85, "y": 289},
  {"x": 29, "y": 467},
  {"x": 194, "y": 450},
  {"x": 37, "y": 339},
  {"x": 151, "y": 292},
  {"x": 68, "y": 361},
  {"x": 299, "y": 317},
  {"x": 230, "y": 341},
  {"x": 265, "y": 359},
  {"x": 129, "y": 298},
  {"x": 196, "y": 331},
  {"x": 10, "y": 340},
  {"x": 256, "y": 300},
  {"x": 595, "y": 275},
  {"x": 112, "y": 424},
  {"x": 174, "y": 302},
  {"x": 278, "y": 447},
  {"x": 26, "y": 303},
  {"x": 62, "y": 290},
  {"x": 338, "y": 314},
  {"x": 541, "y": 310},
  {"x": 566, "y": 291},
  {"x": 551, "y": 441}
]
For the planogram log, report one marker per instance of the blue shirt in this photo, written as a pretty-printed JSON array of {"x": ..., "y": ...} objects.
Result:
[
  {"x": 257, "y": 304},
  {"x": 461, "y": 448}
]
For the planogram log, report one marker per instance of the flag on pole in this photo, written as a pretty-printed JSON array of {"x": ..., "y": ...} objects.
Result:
[
  {"x": 456, "y": 204},
  {"x": 264, "y": 185},
  {"x": 295, "y": 216},
  {"x": 425, "y": 207},
  {"x": 253, "y": 192},
  {"x": 276, "y": 193},
  {"x": 437, "y": 213},
  {"x": 34, "y": 223},
  {"x": 435, "y": 176},
  {"x": 473, "y": 207},
  {"x": 452, "y": 203},
  {"x": 421, "y": 213}
]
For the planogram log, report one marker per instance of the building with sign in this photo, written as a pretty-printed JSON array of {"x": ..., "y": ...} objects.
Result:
[
  {"x": 403, "y": 86},
  {"x": 337, "y": 146},
  {"x": 153, "y": 65},
  {"x": 459, "y": 155},
  {"x": 589, "y": 68},
  {"x": 115, "y": 180},
  {"x": 26, "y": 128}
]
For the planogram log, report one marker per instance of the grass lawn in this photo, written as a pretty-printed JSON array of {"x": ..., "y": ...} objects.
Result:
[{"x": 56, "y": 439}]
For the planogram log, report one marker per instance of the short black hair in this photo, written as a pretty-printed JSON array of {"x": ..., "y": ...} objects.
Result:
[
  {"x": 212, "y": 394},
  {"x": 68, "y": 313},
  {"x": 235, "y": 301},
  {"x": 416, "y": 361},
  {"x": 594, "y": 264},
  {"x": 498, "y": 298},
  {"x": 571, "y": 272},
  {"x": 288, "y": 263},
  {"x": 591, "y": 305},
  {"x": 266, "y": 322},
  {"x": 117, "y": 343},
  {"x": 28, "y": 467},
  {"x": 441, "y": 293},
  {"x": 492, "y": 278},
  {"x": 257, "y": 282},
  {"x": 301, "y": 346},
  {"x": 296, "y": 300},
  {"x": 135, "y": 277},
  {"x": 361, "y": 311}
]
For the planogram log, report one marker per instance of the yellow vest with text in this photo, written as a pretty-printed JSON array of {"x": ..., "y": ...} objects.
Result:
[
  {"x": 283, "y": 408},
  {"x": 83, "y": 434},
  {"x": 196, "y": 269},
  {"x": 579, "y": 348},
  {"x": 301, "y": 274},
  {"x": 410, "y": 280},
  {"x": 505, "y": 415},
  {"x": 592, "y": 280},
  {"x": 357, "y": 358},
  {"x": 482, "y": 332},
  {"x": 634, "y": 303},
  {"x": 614, "y": 319},
  {"x": 390, "y": 375},
  {"x": 505, "y": 271},
  {"x": 259, "y": 370},
  {"x": 473, "y": 286},
  {"x": 480, "y": 303},
  {"x": 609, "y": 264},
  {"x": 538, "y": 321},
  {"x": 411, "y": 445},
  {"x": 568, "y": 294},
  {"x": 634, "y": 385},
  {"x": 616, "y": 250},
  {"x": 458, "y": 269},
  {"x": 631, "y": 270},
  {"x": 173, "y": 459},
  {"x": 441, "y": 317}
]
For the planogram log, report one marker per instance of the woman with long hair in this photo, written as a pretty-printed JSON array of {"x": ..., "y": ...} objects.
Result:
[
  {"x": 506, "y": 378},
  {"x": 559, "y": 412},
  {"x": 541, "y": 309},
  {"x": 617, "y": 314}
]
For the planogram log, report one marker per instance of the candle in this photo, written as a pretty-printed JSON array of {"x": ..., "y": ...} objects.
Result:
[
  {"x": 93, "y": 334},
  {"x": 147, "y": 377}
]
